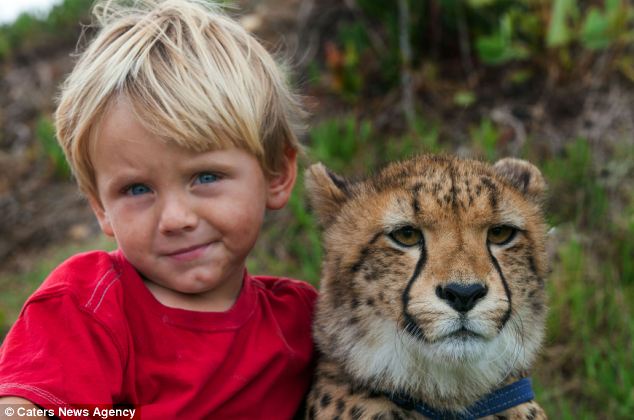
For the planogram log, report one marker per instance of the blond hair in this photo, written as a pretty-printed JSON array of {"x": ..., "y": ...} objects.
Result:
[{"x": 193, "y": 75}]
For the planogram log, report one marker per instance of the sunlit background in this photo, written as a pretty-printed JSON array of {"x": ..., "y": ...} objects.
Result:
[{"x": 10, "y": 9}]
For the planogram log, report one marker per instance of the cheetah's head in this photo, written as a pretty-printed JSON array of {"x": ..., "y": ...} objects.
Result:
[{"x": 433, "y": 276}]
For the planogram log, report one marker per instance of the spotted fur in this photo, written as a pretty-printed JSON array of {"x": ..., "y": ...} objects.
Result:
[{"x": 384, "y": 324}]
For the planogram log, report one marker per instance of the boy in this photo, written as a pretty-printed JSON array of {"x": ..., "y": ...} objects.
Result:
[{"x": 179, "y": 130}]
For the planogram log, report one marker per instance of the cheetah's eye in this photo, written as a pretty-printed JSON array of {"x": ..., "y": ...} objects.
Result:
[
  {"x": 407, "y": 236},
  {"x": 501, "y": 235}
]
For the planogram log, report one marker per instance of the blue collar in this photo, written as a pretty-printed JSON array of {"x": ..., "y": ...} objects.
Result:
[{"x": 502, "y": 399}]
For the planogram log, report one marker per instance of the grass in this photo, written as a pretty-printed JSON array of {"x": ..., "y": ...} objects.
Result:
[
  {"x": 587, "y": 368},
  {"x": 591, "y": 322}
]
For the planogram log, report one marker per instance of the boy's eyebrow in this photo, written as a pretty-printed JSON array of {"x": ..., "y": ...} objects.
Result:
[{"x": 209, "y": 158}]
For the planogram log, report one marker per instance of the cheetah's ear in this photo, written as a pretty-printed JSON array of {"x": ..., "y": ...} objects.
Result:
[
  {"x": 522, "y": 175},
  {"x": 327, "y": 192}
]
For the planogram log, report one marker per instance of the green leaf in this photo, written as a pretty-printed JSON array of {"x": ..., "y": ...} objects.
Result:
[
  {"x": 495, "y": 49},
  {"x": 559, "y": 32},
  {"x": 464, "y": 98},
  {"x": 595, "y": 30},
  {"x": 499, "y": 47},
  {"x": 491, "y": 48}
]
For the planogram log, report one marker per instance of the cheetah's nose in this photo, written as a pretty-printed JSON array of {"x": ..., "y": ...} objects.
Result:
[{"x": 461, "y": 297}]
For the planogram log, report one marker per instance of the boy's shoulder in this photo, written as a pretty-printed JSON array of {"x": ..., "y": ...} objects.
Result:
[
  {"x": 84, "y": 291},
  {"x": 86, "y": 277},
  {"x": 284, "y": 288},
  {"x": 281, "y": 285}
]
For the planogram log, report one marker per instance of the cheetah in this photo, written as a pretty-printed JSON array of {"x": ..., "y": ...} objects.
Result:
[{"x": 432, "y": 301}]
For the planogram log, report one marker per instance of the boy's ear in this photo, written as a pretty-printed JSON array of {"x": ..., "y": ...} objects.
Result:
[
  {"x": 327, "y": 192},
  {"x": 102, "y": 217},
  {"x": 522, "y": 175},
  {"x": 281, "y": 185}
]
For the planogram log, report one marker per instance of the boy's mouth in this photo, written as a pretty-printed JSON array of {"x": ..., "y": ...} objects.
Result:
[{"x": 189, "y": 253}]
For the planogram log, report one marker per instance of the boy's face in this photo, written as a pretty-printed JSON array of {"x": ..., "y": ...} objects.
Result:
[{"x": 185, "y": 220}]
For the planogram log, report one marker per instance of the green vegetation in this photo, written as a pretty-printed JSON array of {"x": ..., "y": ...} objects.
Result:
[
  {"x": 591, "y": 320},
  {"x": 485, "y": 138},
  {"x": 591, "y": 288},
  {"x": 563, "y": 38},
  {"x": 45, "y": 133},
  {"x": 32, "y": 32}
]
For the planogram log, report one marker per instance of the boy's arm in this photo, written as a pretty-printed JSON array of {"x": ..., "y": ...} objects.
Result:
[{"x": 10, "y": 405}]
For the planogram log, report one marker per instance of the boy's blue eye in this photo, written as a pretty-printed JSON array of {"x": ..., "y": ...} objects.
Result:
[
  {"x": 206, "y": 178},
  {"x": 137, "y": 189}
]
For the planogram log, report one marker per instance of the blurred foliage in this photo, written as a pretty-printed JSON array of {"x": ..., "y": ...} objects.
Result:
[
  {"x": 31, "y": 32},
  {"x": 339, "y": 141},
  {"x": 586, "y": 204},
  {"x": 45, "y": 133},
  {"x": 561, "y": 37},
  {"x": 485, "y": 139},
  {"x": 591, "y": 288},
  {"x": 592, "y": 323},
  {"x": 422, "y": 137}
]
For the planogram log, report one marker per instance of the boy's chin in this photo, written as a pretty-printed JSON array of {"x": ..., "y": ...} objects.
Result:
[{"x": 203, "y": 292}]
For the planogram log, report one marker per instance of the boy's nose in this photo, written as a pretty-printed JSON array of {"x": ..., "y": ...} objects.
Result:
[{"x": 176, "y": 216}]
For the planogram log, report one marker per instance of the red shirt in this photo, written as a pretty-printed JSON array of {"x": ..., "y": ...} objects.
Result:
[{"x": 94, "y": 334}]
